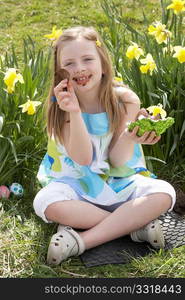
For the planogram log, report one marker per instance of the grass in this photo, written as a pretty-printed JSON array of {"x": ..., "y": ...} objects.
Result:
[
  {"x": 36, "y": 18},
  {"x": 24, "y": 237},
  {"x": 23, "y": 247}
]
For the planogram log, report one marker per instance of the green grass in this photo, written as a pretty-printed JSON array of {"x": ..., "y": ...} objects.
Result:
[
  {"x": 36, "y": 18},
  {"x": 23, "y": 248},
  {"x": 24, "y": 237}
]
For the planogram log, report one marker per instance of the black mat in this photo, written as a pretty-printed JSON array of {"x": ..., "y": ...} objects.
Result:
[{"x": 119, "y": 251}]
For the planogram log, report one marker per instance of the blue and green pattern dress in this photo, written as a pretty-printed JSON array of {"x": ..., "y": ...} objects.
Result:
[{"x": 98, "y": 183}]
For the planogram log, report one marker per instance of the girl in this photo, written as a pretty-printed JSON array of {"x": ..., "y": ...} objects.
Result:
[{"x": 92, "y": 160}]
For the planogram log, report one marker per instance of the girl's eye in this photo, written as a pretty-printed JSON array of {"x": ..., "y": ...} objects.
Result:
[
  {"x": 68, "y": 64},
  {"x": 86, "y": 59}
]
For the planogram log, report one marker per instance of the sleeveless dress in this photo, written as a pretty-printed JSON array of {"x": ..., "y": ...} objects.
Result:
[{"x": 99, "y": 182}]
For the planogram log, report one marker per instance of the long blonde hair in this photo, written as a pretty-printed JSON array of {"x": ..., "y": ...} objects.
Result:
[{"x": 107, "y": 96}]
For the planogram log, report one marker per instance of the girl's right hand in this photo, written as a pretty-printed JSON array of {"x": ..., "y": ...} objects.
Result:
[{"x": 66, "y": 100}]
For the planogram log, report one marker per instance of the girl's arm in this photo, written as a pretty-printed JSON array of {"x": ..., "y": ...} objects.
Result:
[
  {"x": 75, "y": 135},
  {"x": 77, "y": 140},
  {"x": 122, "y": 146}
]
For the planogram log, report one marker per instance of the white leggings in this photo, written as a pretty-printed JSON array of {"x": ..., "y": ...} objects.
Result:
[{"x": 58, "y": 191}]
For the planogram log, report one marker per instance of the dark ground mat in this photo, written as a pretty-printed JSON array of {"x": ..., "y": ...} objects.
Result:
[{"x": 119, "y": 251}]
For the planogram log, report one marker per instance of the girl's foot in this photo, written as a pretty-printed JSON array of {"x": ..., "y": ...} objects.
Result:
[
  {"x": 65, "y": 243},
  {"x": 167, "y": 232},
  {"x": 151, "y": 233}
]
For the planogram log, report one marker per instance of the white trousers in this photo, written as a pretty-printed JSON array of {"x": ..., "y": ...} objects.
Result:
[{"x": 57, "y": 191}]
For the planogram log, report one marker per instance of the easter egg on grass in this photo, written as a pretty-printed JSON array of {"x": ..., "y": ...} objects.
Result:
[
  {"x": 4, "y": 192},
  {"x": 17, "y": 189}
]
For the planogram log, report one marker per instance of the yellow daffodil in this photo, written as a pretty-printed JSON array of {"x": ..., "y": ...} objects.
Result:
[
  {"x": 118, "y": 79},
  {"x": 149, "y": 64},
  {"x": 179, "y": 53},
  {"x": 30, "y": 107},
  {"x": 98, "y": 43},
  {"x": 11, "y": 78},
  {"x": 159, "y": 31},
  {"x": 56, "y": 33},
  {"x": 157, "y": 109},
  {"x": 178, "y": 6},
  {"x": 134, "y": 51}
]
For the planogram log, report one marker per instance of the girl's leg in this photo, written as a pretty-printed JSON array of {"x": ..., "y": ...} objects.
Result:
[
  {"x": 129, "y": 217},
  {"x": 103, "y": 226},
  {"x": 75, "y": 213}
]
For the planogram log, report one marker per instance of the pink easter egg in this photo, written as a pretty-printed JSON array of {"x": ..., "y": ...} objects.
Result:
[{"x": 4, "y": 192}]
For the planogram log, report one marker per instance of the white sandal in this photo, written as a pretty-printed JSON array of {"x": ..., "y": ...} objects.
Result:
[
  {"x": 151, "y": 233},
  {"x": 65, "y": 243}
]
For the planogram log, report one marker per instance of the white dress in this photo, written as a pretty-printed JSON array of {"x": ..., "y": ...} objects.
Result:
[{"x": 99, "y": 182}]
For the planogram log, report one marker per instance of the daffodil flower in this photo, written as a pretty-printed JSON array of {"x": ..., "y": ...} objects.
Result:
[
  {"x": 118, "y": 79},
  {"x": 179, "y": 53},
  {"x": 134, "y": 51},
  {"x": 56, "y": 33},
  {"x": 11, "y": 78},
  {"x": 159, "y": 31},
  {"x": 98, "y": 43},
  {"x": 157, "y": 109},
  {"x": 30, "y": 107},
  {"x": 177, "y": 6},
  {"x": 149, "y": 64}
]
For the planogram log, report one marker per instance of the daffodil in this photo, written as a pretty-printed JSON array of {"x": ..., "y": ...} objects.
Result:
[
  {"x": 98, "y": 43},
  {"x": 30, "y": 107},
  {"x": 149, "y": 64},
  {"x": 157, "y": 109},
  {"x": 179, "y": 53},
  {"x": 134, "y": 51},
  {"x": 118, "y": 79},
  {"x": 159, "y": 31},
  {"x": 178, "y": 6},
  {"x": 11, "y": 78},
  {"x": 55, "y": 34}
]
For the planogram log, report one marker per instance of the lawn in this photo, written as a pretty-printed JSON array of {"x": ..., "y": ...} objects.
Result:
[{"x": 24, "y": 237}]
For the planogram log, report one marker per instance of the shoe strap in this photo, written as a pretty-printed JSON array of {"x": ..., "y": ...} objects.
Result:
[{"x": 77, "y": 237}]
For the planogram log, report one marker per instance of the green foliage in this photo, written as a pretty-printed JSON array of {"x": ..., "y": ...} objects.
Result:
[
  {"x": 166, "y": 85},
  {"x": 22, "y": 136}
]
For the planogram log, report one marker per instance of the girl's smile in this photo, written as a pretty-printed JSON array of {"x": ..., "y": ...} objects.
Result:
[{"x": 82, "y": 79}]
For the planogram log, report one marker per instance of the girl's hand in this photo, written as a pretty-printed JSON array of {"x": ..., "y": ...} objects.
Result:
[
  {"x": 66, "y": 99},
  {"x": 148, "y": 138}
]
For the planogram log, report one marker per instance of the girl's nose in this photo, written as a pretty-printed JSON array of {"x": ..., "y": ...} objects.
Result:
[{"x": 79, "y": 68}]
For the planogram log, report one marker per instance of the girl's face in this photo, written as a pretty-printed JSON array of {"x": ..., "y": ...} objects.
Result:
[{"x": 81, "y": 59}]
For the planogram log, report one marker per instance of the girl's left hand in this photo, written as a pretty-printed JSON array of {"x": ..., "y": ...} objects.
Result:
[{"x": 149, "y": 137}]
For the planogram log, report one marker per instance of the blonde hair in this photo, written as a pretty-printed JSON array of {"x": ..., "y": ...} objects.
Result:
[{"x": 107, "y": 96}]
